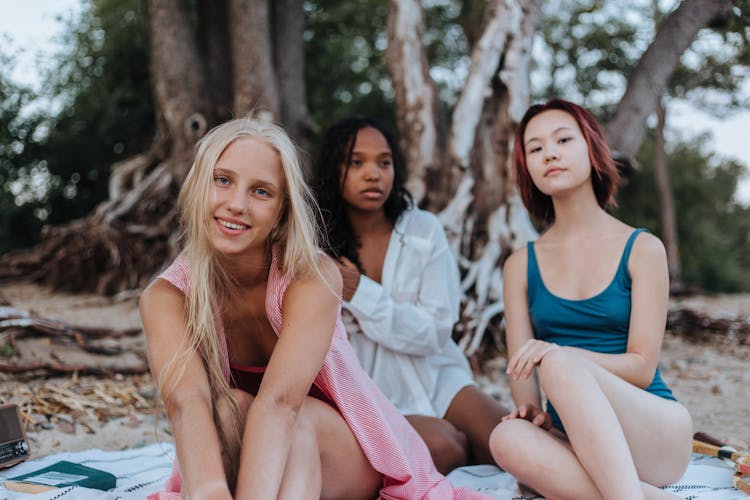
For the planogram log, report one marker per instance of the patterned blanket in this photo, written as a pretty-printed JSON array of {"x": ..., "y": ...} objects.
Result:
[{"x": 141, "y": 471}]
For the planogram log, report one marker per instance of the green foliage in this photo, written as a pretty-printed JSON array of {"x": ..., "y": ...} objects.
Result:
[
  {"x": 345, "y": 46},
  {"x": 344, "y": 61},
  {"x": 587, "y": 48},
  {"x": 17, "y": 147},
  {"x": 713, "y": 229},
  {"x": 96, "y": 109},
  {"x": 107, "y": 113},
  {"x": 713, "y": 72}
]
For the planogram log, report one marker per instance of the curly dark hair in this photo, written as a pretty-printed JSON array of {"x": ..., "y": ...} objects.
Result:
[{"x": 335, "y": 153}]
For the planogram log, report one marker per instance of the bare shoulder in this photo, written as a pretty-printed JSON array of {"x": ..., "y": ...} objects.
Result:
[
  {"x": 515, "y": 264},
  {"x": 328, "y": 277},
  {"x": 648, "y": 256},
  {"x": 648, "y": 246},
  {"x": 160, "y": 296}
]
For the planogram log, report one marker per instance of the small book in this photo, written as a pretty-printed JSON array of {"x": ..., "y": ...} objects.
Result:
[{"x": 60, "y": 475}]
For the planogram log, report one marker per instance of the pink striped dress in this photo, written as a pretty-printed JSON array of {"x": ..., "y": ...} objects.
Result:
[{"x": 389, "y": 442}]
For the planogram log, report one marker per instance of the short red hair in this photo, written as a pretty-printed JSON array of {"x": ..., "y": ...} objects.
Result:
[{"x": 605, "y": 180}]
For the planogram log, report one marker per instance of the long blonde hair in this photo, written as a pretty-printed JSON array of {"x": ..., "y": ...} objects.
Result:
[{"x": 296, "y": 236}]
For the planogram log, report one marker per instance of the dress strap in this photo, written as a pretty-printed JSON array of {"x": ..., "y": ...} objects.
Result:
[
  {"x": 532, "y": 271},
  {"x": 623, "y": 267}
]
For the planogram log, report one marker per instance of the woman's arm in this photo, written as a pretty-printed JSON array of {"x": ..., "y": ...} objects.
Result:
[
  {"x": 187, "y": 399},
  {"x": 518, "y": 329},
  {"x": 309, "y": 317},
  {"x": 648, "y": 314},
  {"x": 420, "y": 326}
]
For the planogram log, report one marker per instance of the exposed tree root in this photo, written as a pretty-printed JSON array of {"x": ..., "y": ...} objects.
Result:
[{"x": 119, "y": 247}]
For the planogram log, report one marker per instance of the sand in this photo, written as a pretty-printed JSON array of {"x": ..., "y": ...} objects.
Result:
[{"x": 711, "y": 378}]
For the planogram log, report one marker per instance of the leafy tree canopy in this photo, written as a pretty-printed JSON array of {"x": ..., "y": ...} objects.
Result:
[
  {"x": 95, "y": 110},
  {"x": 712, "y": 227}
]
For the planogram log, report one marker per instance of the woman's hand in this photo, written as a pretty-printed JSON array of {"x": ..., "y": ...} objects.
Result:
[
  {"x": 527, "y": 357},
  {"x": 350, "y": 276},
  {"x": 533, "y": 414}
]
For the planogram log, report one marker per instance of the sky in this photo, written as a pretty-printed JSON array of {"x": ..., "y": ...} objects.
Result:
[{"x": 32, "y": 27}]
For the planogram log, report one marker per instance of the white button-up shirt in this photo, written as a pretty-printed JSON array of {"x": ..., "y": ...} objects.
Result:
[{"x": 401, "y": 328}]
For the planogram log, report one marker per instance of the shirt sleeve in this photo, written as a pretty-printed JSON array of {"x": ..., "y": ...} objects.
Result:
[{"x": 416, "y": 327}]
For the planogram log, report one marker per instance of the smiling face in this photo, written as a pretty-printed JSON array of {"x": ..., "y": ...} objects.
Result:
[
  {"x": 557, "y": 156},
  {"x": 247, "y": 196},
  {"x": 368, "y": 180}
]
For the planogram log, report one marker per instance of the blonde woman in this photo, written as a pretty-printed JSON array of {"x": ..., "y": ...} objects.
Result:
[{"x": 264, "y": 394}]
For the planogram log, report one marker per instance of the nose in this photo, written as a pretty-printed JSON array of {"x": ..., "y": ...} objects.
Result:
[
  {"x": 372, "y": 173},
  {"x": 237, "y": 202},
  {"x": 551, "y": 155}
]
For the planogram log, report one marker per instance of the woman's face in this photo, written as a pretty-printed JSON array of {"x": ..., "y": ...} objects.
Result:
[
  {"x": 247, "y": 196},
  {"x": 368, "y": 181},
  {"x": 557, "y": 156}
]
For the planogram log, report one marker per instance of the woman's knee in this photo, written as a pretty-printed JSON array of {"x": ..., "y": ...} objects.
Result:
[
  {"x": 559, "y": 368},
  {"x": 507, "y": 440},
  {"x": 448, "y": 446},
  {"x": 675, "y": 450}
]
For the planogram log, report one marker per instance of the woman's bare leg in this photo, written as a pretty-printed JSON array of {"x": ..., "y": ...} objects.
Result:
[
  {"x": 657, "y": 433},
  {"x": 547, "y": 464},
  {"x": 449, "y": 447},
  {"x": 605, "y": 418},
  {"x": 476, "y": 414},
  {"x": 345, "y": 471},
  {"x": 325, "y": 460}
]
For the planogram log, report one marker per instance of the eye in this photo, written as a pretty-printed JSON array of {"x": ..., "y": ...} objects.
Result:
[
  {"x": 386, "y": 163},
  {"x": 221, "y": 180},
  {"x": 262, "y": 192},
  {"x": 355, "y": 163},
  {"x": 533, "y": 149},
  {"x": 563, "y": 140}
]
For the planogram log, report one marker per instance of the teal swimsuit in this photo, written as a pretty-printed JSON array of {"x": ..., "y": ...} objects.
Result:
[{"x": 599, "y": 323}]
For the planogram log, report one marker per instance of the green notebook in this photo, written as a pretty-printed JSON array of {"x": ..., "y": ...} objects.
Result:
[{"x": 60, "y": 475}]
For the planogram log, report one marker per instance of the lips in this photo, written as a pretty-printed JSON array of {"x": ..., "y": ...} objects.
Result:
[
  {"x": 553, "y": 171},
  {"x": 231, "y": 224}
]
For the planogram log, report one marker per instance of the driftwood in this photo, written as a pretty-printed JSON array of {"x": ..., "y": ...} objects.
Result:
[
  {"x": 81, "y": 400},
  {"x": 37, "y": 346},
  {"x": 699, "y": 326}
]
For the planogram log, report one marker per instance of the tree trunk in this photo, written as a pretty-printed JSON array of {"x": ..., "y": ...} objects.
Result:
[
  {"x": 477, "y": 216},
  {"x": 289, "y": 52},
  {"x": 650, "y": 77},
  {"x": 255, "y": 85},
  {"x": 417, "y": 116},
  {"x": 666, "y": 204},
  {"x": 215, "y": 50},
  {"x": 178, "y": 78}
]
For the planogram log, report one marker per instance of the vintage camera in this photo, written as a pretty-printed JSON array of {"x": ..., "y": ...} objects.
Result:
[{"x": 14, "y": 447}]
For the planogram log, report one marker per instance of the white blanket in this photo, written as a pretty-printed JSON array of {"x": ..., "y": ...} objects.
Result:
[{"x": 141, "y": 471}]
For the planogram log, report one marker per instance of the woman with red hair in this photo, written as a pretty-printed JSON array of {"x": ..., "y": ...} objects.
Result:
[{"x": 585, "y": 309}]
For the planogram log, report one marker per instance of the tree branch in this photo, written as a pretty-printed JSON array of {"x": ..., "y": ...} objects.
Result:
[{"x": 649, "y": 79}]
